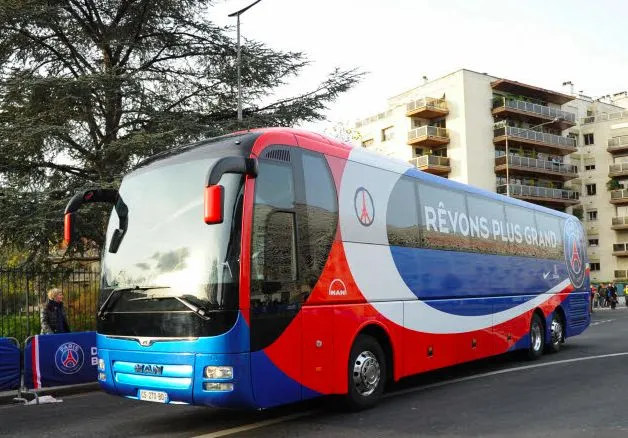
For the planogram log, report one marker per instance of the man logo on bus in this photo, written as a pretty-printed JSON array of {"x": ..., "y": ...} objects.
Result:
[
  {"x": 574, "y": 251},
  {"x": 364, "y": 207},
  {"x": 69, "y": 358}
]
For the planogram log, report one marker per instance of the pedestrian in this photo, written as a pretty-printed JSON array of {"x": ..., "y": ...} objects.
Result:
[
  {"x": 602, "y": 295},
  {"x": 613, "y": 297},
  {"x": 611, "y": 292},
  {"x": 52, "y": 314},
  {"x": 593, "y": 296},
  {"x": 626, "y": 294}
]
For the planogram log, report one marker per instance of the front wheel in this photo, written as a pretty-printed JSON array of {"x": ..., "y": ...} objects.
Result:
[
  {"x": 537, "y": 338},
  {"x": 366, "y": 372}
]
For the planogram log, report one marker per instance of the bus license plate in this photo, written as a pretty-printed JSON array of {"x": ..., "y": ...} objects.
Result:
[{"x": 153, "y": 396}]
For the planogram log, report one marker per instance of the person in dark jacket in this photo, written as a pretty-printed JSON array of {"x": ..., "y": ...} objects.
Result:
[{"x": 52, "y": 315}]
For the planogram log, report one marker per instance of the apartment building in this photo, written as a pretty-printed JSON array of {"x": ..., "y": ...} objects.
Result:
[{"x": 547, "y": 147}]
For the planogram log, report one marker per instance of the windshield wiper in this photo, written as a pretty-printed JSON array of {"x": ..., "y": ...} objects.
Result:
[
  {"x": 103, "y": 307},
  {"x": 199, "y": 311}
]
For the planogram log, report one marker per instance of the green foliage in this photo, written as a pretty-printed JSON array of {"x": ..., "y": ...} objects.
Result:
[
  {"x": 613, "y": 184},
  {"x": 87, "y": 89}
]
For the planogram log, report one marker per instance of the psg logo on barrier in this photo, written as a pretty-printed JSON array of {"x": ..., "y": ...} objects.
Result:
[
  {"x": 69, "y": 358},
  {"x": 574, "y": 251},
  {"x": 364, "y": 207}
]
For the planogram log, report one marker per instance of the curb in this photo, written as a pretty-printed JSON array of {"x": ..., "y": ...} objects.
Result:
[{"x": 56, "y": 391}]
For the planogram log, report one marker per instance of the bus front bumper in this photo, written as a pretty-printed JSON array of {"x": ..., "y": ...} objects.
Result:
[{"x": 178, "y": 378}]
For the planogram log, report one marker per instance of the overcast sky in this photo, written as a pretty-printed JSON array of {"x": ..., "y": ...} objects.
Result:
[{"x": 539, "y": 42}]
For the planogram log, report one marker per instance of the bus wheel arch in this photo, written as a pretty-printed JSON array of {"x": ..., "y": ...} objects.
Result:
[
  {"x": 369, "y": 367},
  {"x": 556, "y": 330}
]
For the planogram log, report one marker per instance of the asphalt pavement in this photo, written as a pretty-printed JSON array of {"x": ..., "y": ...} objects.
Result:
[{"x": 579, "y": 392}]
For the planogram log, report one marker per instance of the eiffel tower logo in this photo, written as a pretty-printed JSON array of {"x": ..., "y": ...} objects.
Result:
[
  {"x": 362, "y": 204},
  {"x": 576, "y": 263}
]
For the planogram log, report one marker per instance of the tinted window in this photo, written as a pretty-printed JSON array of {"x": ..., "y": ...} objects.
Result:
[
  {"x": 443, "y": 218},
  {"x": 318, "y": 217},
  {"x": 401, "y": 215}
]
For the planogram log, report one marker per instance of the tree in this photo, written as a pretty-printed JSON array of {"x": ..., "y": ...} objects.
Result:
[
  {"x": 88, "y": 88},
  {"x": 342, "y": 132}
]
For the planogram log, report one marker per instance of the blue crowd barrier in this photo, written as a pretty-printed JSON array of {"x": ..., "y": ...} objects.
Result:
[
  {"x": 10, "y": 366},
  {"x": 59, "y": 360}
]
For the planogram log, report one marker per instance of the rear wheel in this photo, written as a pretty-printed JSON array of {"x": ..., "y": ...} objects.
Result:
[
  {"x": 557, "y": 330},
  {"x": 537, "y": 338},
  {"x": 366, "y": 372}
]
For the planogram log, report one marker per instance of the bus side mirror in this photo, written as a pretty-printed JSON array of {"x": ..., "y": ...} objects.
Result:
[
  {"x": 214, "y": 204},
  {"x": 68, "y": 227},
  {"x": 215, "y": 193}
]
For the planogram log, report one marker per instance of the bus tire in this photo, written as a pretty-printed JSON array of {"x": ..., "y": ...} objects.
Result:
[
  {"x": 557, "y": 333},
  {"x": 537, "y": 338},
  {"x": 366, "y": 373}
]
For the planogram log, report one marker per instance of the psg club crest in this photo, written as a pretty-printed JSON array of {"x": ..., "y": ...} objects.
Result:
[
  {"x": 364, "y": 207},
  {"x": 69, "y": 358},
  {"x": 574, "y": 251}
]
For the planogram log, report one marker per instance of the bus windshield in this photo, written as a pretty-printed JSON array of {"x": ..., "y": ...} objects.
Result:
[{"x": 170, "y": 260}]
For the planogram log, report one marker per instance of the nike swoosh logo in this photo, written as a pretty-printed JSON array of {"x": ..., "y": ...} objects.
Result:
[{"x": 545, "y": 275}]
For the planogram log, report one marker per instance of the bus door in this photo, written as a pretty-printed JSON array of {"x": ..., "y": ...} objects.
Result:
[{"x": 275, "y": 298}]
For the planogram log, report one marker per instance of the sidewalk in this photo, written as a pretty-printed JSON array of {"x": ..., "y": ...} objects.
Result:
[{"x": 6, "y": 397}]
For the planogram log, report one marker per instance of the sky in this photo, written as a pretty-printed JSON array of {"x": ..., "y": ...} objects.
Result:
[{"x": 397, "y": 42}]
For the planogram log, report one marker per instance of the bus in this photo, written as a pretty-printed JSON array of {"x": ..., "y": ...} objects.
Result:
[{"x": 276, "y": 265}]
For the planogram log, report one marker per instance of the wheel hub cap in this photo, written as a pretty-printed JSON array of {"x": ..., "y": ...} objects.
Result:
[{"x": 366, "y": 373}]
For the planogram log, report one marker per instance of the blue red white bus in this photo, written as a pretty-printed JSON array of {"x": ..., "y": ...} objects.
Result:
[{"x": 276, "y": 265}]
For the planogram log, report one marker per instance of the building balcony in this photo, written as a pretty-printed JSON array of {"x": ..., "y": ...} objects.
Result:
[
  {"x": 427, "y": 108},
  {"x": 541, "y": 194},
  {"x": 604, "y": 117},
  {"x": 617, "y": 144},
  {"x": 428, "y": 136},
  {"x": 432, "y": 164},
  {"x": 517, "y": 88},
  {"x": 620, "y": 249},
  {"x": 619, "y": 196},
  {"x": 541, "y": 141},
  {"x": 503, "y": 106},
  {"x": 518, "y": 164},
  {"x": 619, "y": 169},
  {"x": 620, "y": 223}
]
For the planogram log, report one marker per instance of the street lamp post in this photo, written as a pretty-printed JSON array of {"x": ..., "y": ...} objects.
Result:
[
  {"x": 556, "y": 119},
  {"x": 237, "y": 15}
]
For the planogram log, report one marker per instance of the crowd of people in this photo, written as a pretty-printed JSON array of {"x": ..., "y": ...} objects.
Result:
[{"x": 606, "y": 296}]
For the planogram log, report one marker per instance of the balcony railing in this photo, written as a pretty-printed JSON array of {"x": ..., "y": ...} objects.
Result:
[
  {"x": 604, "y": 117},
  {"x": 427, "y": 102},
  {"x": 541, "y": 110},
  {"x": 428, "y": 131},
  {"x": 617, "y": 169},
  {"x": 619, "y": 222},
  {"x": 618, "y": 142},
  {"x": 430, "y": 160},
  {"x": 540, "y": 137},
  {"x": 619, "y": 195},
  {"x": 539, "y": 192},
  {"x": 535, "y": 163}
]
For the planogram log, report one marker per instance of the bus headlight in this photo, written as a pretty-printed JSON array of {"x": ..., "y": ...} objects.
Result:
[
  {"x": 101, "y": 364},
  {"x": 215, "y": 386},
  {"x": 213, "y": 372}
]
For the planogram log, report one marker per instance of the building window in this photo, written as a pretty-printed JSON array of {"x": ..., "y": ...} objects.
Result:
[
  {"x": 418, "y": 152},
  {"x": 591, "y": 189},
  {"x": 588, "y": 139},
  {"x": 594, "y": 242},
  {"x": 574, "y": 136},
  {"x": 367, "y": 143},
  {"x": 388, "y": 134},
  {"x": 589, "y": 167},
  {"x": 595, "y": 266},
  {"x": 592, "y": 215}
]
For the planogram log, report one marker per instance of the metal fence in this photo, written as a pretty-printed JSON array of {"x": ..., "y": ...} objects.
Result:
[{"x": 23, "y": 293}]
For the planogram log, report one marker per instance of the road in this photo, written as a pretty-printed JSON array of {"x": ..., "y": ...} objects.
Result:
[{"x": 579, "y": 392}]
